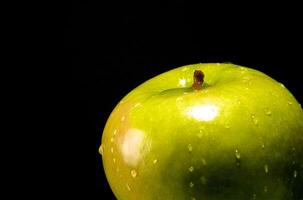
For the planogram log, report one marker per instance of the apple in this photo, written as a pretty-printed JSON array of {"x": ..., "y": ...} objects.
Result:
[{"x": 206, "y": 131}]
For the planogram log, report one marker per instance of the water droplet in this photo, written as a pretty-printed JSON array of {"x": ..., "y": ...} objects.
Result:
[
  {"x": 203, "y": 180},
  {"x": 190, "y": 148},
  {"x": 184, "y": 69},
  {"x": 112, "y": 149},
  {"x": 238, "y": 157},
  {"x": 295, "y": 174},
  {"x": 128, "y": 187},
  {"x": 191, "y": 184},
  {"x": 155, "y": 161},
  {"x": 227, "y": 126},
  {"x": 133, "y": 173},
  {"x": 237, "y": 154},
  {"x": 289, "y": 103},
  {"x": 122, "y": 118},
  {"x": 115, "y": 132},
  {"x": 282, "y": 85},
  {"x": 266, "y": 168},
  {"x": 112, "y": 139},
  {"x": 114, "y": 160},
  {"x": 137, "y": 105},
  {"x": 204, "y": 161},
  {"x": 267, "y": 112},
  {"x": 263, "y": 146},
  {"x": 254, "y": 119},
  {"x": 265, "y": 188},
  {"x": 101, "y": 149},
  {"x": 182, "y": 82},
  {"x": 191, "y": 168}
]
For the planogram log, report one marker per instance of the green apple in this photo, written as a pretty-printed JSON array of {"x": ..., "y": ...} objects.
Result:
[{"x": 209, "y": 132}]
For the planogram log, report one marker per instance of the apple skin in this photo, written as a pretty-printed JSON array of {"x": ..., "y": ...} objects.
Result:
[{"x": 239, "y": 137}]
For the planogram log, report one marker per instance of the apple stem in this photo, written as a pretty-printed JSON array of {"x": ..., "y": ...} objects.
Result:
[{"x": 198, "y": 80}]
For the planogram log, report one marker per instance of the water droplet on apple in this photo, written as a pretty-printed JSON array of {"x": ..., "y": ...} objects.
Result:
[
  {"x": 204, "y": 162},
  {"x": 295, "y": 174},
  {"x": 203, "y": 180},
  {"x": 115, "y": 132},
  {"x": 265, "y": 188},
  {"x": 155, "y": 161},
  {"x": 191, "y": 184},
  {"x": 266, "y": 168},
  {"x": 122, "y": 118},
  {"x": 182, "y": 82},
  {"x": 137, "y": 105},
  {"x": 267, "y": 112},
  {"x": 101, "y": 149},
  {"x": 128, "y": 187},
  {"x": 191, "y": 168},
  {"x": 112, "y": 139},
  {"x": 190, "y": 148},
  {"x": 237, "y": 154},
  {"x": 114, "y": 160},
  {"x": 282, "y": 85},
  {"x": 254, "y": 119},
  {"x": 184, "y": 69},
  {"x": 238, "y": 157},
  {"x": 289, "y": 103},
  {"x": 112, "y": 149},
  {"x": 227, "y": 126},
  {"x": 133, "y": 173}
]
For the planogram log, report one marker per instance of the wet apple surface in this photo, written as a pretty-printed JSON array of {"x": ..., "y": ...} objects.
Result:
[{"x": 238, "y": 134}]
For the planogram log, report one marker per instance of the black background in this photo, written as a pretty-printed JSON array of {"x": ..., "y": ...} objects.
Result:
[{"x": 113, "y": 48}]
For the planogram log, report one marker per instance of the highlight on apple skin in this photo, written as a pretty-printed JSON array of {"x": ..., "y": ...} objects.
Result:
[{"x": 209, "y": 131}]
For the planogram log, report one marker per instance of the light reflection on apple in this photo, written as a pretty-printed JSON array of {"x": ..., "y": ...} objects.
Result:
[
  {"x": 132, "y": 145},
  {"x": 203, "y": 112}
]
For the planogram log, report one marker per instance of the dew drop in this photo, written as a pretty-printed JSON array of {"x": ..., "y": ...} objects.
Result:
[
  {"x": 114, "y": 160},
  {"x": 137, "y": 105},
  {"x": 101, "y": 149},
  {"x": 112, "y": 139},
  {"x": 184, "y": 69},
  {"x": 237, "y": 154},
  {"x": 295, "y": 174},
  {"x": 133, "y": 173},
  {"x": 266, "y": 168},
  {"x": 238, "y": 157},
  {"x": 190, "y": 148},
  {"x": 128, "y": 187},
  {"x": 254, "y": 119},
  {"x": 112, "y": 149},
  {"x": 267, "y": 112},
  {"x": 115, "y": 132},
  {"x": 155, "y": 161},
  {"x": 122, "y": 118},
  {"x": 227, "y": 126},
  {"x": 191, "y": 169},
  {"x": 203, "y": 180},
  {"x": 265, "y": 188},
  {"x": 289, "y": 103},
  {"x": 191, "y": 184}
]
